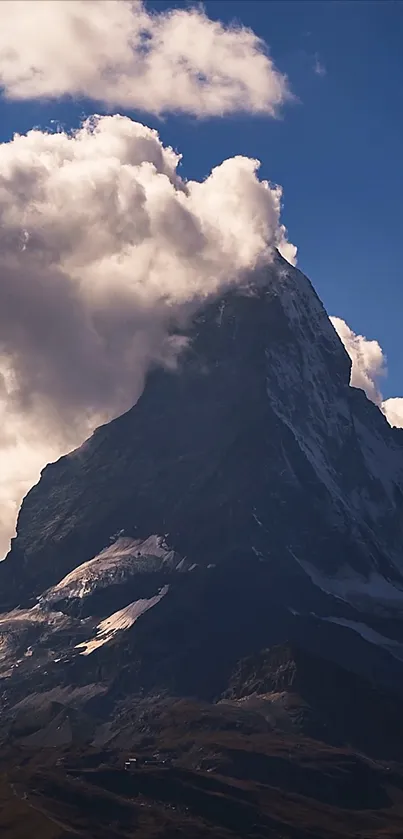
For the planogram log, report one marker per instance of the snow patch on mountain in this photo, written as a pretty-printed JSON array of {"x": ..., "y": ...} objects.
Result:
[
  {"x": 384, "y": 462},
  {"x": 393, "y": 647},
  {"x": 121, "y": 620},
  {"x": 355, "y": 588},
  {"x": 113, "y": 565},
  {"x": 22, "y": 632},
  {"x": 30, "y": 616}
]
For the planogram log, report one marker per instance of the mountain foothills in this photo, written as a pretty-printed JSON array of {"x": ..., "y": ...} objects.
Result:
[{"x": 213, "y": 583}]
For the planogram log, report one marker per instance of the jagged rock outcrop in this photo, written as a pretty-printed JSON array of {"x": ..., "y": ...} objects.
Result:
[{"x": 320, "y": 699}]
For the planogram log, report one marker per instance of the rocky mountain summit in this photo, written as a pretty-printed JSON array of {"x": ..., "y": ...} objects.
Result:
[{"x": 247, "y": 509}]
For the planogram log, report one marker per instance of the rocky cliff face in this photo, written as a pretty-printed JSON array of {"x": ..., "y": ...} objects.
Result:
[
  {"x": 249, "y": 497},
  {"x": 318, "y": 698}
]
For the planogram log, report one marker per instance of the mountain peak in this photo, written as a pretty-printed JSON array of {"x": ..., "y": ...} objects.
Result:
[{"x": 276, "y": 490}]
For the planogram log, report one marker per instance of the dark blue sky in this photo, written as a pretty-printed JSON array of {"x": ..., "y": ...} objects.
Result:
[{"x": 337, "y": 152}]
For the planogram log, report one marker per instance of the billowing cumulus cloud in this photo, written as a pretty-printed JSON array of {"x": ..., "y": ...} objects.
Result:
[
  {"x": 103, "y": 247},
  {"x": 368, "y": 360},
  {"x": 393, "y": 410},
  {"x": 369, "y": 367},
  {"x": 123, "y": 55}
]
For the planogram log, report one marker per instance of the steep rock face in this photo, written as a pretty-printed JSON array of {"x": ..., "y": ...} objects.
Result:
[
  {"x": 323, "y": 700},
  {"x": 274, "y": 489}
]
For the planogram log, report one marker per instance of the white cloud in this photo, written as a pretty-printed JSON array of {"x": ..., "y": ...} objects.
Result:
[
  {"x": 369, "y": 367},
  {"x": 393, "y": 410},
  {"x": 368, "y": 360},
  {"x": 118, "y": 53},
  {"x": 102, "y": 246}
]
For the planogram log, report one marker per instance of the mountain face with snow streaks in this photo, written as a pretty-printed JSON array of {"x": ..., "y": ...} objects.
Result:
[{"x": 250, "y": 497}]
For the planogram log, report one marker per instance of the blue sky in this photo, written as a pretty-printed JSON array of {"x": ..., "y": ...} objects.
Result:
[{"x": 337, "y": 151}]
